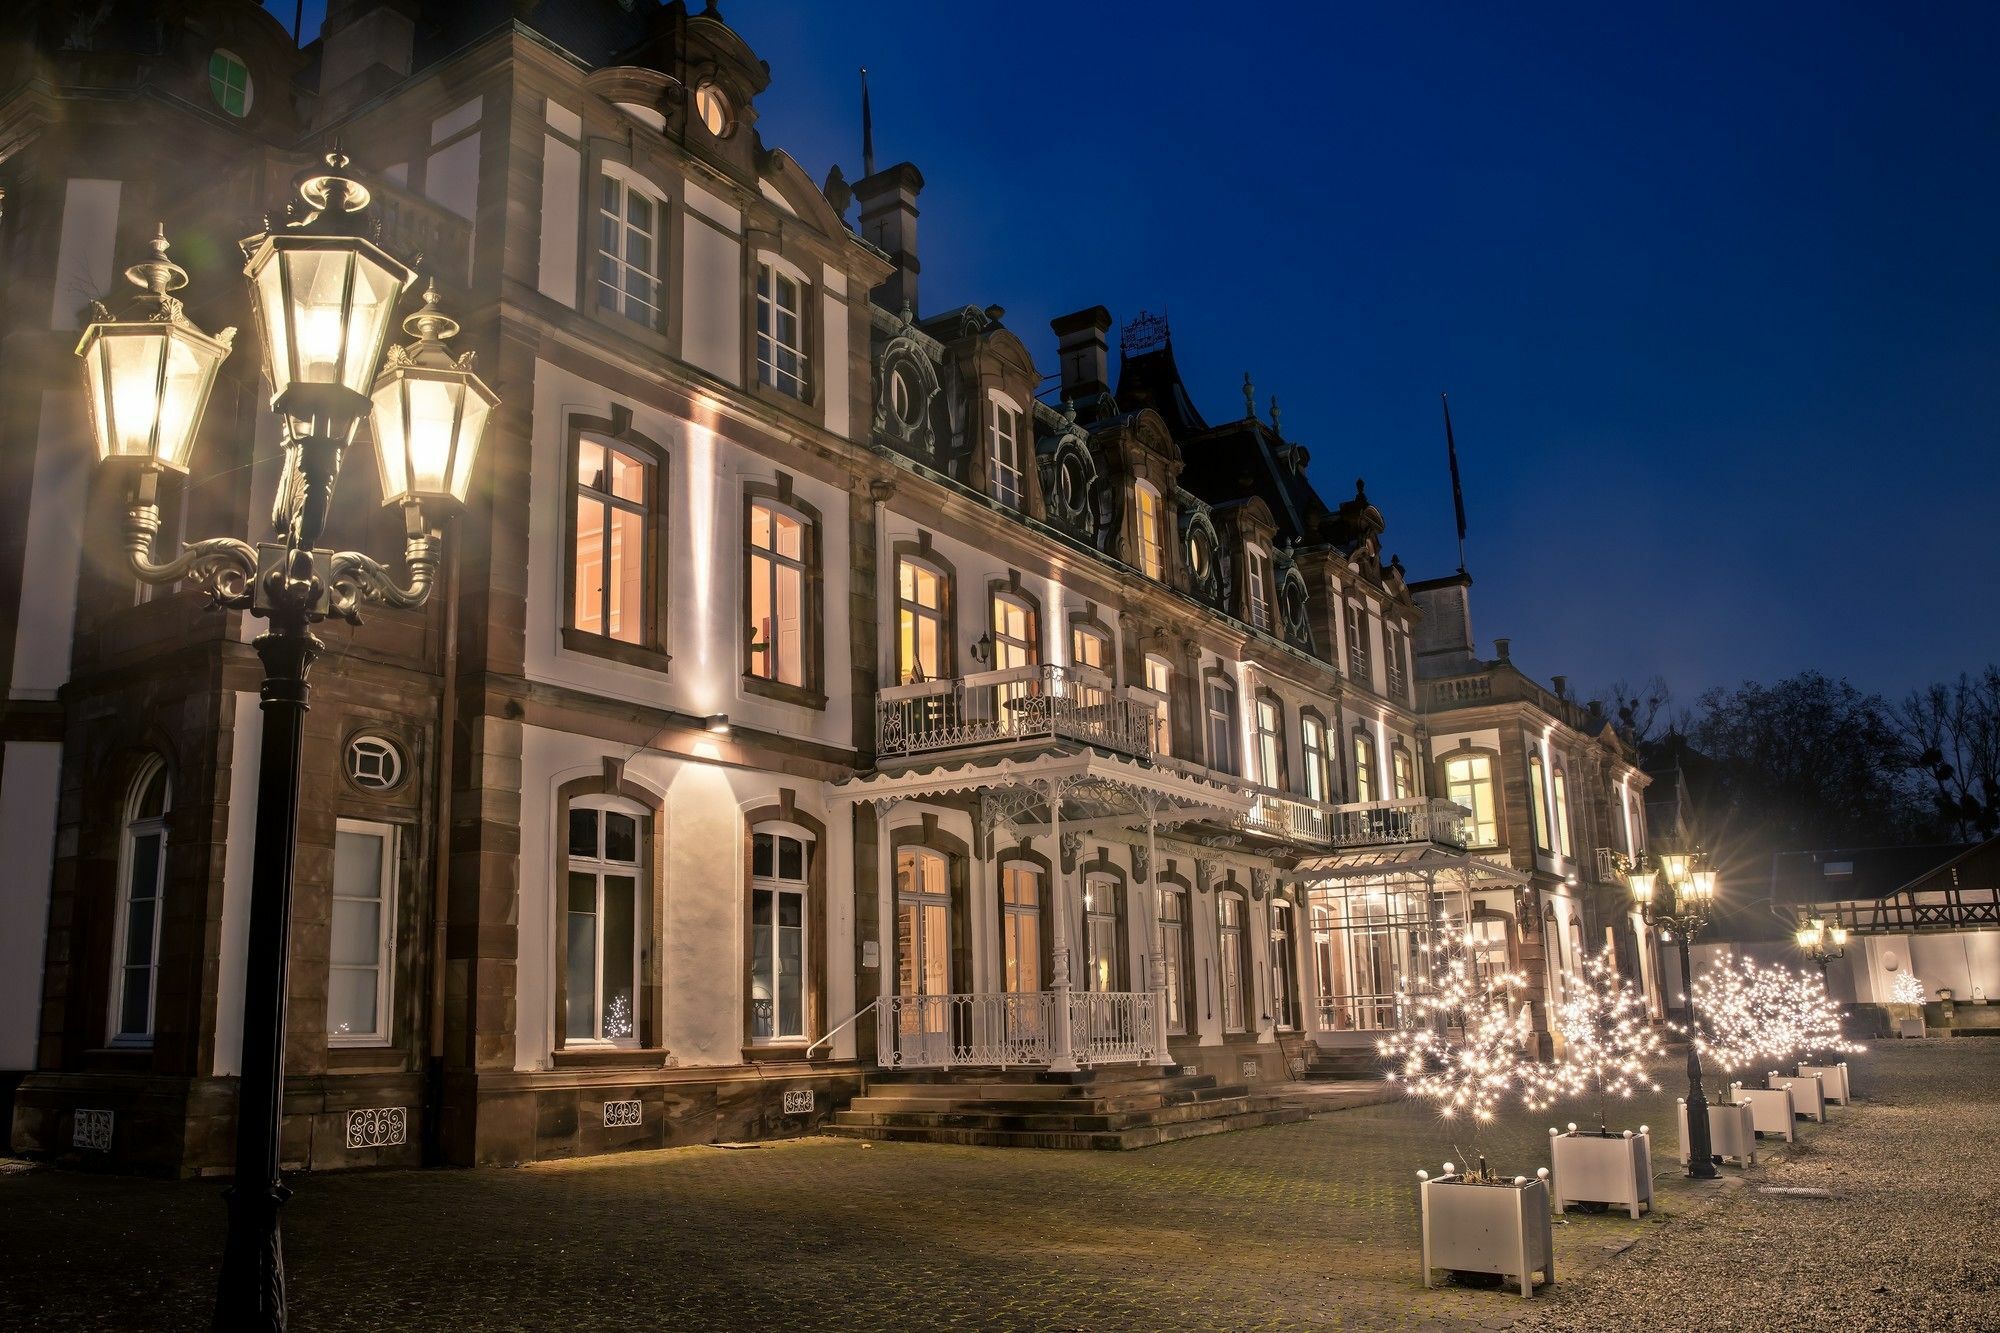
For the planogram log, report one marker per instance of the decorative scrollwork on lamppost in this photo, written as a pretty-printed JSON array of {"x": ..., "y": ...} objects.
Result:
[
  {"x": 1822, "y": 942},
  {"x": 325, "y": 296},
  {"x": 1679, "y": 896}
]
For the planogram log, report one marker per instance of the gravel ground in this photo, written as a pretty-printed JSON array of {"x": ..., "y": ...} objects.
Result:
[{"x": 1905, "y": 1240}]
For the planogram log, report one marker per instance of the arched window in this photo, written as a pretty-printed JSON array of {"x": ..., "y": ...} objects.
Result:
[
  {"x": 1015, "y": 641},
  {"x": 601, "y": 939},
  {"x": 1563, "y": 840},
  {"x": 1103, "y": 933},
  {"x": 142, "y": 878},
  {"x": 1231, "y": 954},
  {"x": 1364, "y": 766},
  {"x": 1312, "y": 744},
  {"x": 1283, "y": 1001},
  {"x": 1021, "y": 926},
  {"x": 780, "y": 860},
  {"x": 1538, "y": 797},
  {"x": 617, "y": 531},
  {"x": 782, "y": 584},
  {"x": 1173, "y": 949},
  {"x": 921, "y": 590},
  {"x": 1151, "y": 519},
  {"x": 1402, "y": 773}
]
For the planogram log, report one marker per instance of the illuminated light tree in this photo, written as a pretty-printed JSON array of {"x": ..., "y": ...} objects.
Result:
[
  {"x": 1818, "y": 1025},
  {"x": 1740, "y": 1022},
  {"x": 1465, "y": 1034},
  {"x": 1609, "y": 1044},
  {"x": 1906, "y": 989}
]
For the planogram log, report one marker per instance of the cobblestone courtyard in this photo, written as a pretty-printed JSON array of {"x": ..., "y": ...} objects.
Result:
[{"x": 1294, "y": 1226}]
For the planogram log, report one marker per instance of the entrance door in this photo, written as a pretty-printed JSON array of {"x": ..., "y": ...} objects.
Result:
[
  {"x": 1021, "y": 961},
  {"x": 923, "y": 956}
]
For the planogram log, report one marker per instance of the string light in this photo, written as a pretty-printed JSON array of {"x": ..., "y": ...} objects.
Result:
[
  {"x": 1468, "y": 1027},
  {"x": 1906, "y": 989},
  {"x": 1609, "y": 1041}
]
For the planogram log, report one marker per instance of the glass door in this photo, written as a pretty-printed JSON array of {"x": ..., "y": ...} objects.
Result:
[{"x": 923, "y": 955}]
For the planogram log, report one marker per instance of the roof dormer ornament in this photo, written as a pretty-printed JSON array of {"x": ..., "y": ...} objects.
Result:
[{"x": 1249, "y": 398}]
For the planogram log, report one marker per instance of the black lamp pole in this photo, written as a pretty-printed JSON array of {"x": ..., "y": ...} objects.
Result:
[
  {"x": 1690, "y": 898},
  {"x": 1701, "y": 1149}
]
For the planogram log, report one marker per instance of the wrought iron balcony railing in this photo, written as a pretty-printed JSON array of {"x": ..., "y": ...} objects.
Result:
[
  {"x": 1029, "y": 703},
  {"x": 1407, "y": 819}
]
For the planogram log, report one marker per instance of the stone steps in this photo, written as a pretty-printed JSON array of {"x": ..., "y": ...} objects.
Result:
[
  {"x": 1130, "y": 1107},
  {"x": 1360, "y": 1063}
]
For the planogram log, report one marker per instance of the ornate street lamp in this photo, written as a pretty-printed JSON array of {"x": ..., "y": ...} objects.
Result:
[
  {"x": 1822, "y": 942},
  {"x": 1685, "y": 906},
  {"x": 325, "y": 294}
]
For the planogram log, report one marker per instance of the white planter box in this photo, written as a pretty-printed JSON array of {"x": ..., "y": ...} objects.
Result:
[
  {"x": 1590, "y": 1168},
  {"x": 1808, "y": 1093},
  {"x": 1731, "y": 1135},
  {"x": 1910, "y": 1027},
  {"x": 1771, "y": 1109},
  {"x": 1834, "y": 1079},
  {"x": 1502, "y": 1229}
]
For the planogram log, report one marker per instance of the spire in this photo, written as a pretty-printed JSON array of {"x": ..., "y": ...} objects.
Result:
[
  {"x": 1276, "y": 417},
  {"x": 1249, "y": 398},
  {"x": 867, "y": 128}
]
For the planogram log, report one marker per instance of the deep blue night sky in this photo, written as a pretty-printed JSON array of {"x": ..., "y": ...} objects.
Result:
[{"x": 1714, "y": 291}]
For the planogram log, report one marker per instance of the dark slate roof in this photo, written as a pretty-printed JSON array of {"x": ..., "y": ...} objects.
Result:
[
  {"x": 1840, "y": 873},
  {"x": 1151, "y": 379},
  {"x": 596, "y": 31}
]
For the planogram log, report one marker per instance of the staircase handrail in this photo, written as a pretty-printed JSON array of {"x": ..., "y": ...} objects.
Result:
[{"x": 843, "y": 1025}]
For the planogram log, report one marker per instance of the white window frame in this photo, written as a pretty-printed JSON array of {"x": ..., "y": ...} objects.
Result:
[
  {"x": 1270, "y": 740},
  {"x": 1365, "y": 772},
  {"x": 1478, "y": 775},
  {"x": 1559, "y": 782},
  {"x": 1402, "y": 771},
  {"x": 1312, "y": 747},
  {"x": 779, "y": 886},
  {"x": 385, "y": 943},
  {"x": 630, "y": 182},
  {"x": 135, "y": 828},
  {"x": 1161, "y": 686},
  {"x": 641, "y": 884},
  {"x": 1230, "y": 971},
  {"x": 771, "y": 344},
  {"x": 1360, "y": 661},
  {"x": 1538, "y": 799},
  {"x": 1150, "y": 516},
  {"x": 1284, "y": 967},
  {"x": 1173, "y": 945},
  {"x": 1006, "y": 455},
  {"x": 1220, "y": 723},
  {"x": 1007, "y": 646},
  {"x": 766, "y": 664},
  {"x": 1013, "y": 912},
  {"x": 608, "y": 503},
  {"x": 911, "y": 614},
  {"x": 1256, "y": 581},
  {"x": 1101, "y": 904}
]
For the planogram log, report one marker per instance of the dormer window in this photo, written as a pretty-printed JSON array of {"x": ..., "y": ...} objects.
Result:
[
  {"x": 1152, "y": 532},
  {"x": 711, "y": 107},
  {"x": 229, "y": 83},
  {"x": 1257, "y": 578},
  {"x": 1007, "y": 463}
]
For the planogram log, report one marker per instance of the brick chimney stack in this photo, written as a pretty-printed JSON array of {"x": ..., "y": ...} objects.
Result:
[
  {"x": 365, "y": 47},
  {"x": 1083, "y": 344}
]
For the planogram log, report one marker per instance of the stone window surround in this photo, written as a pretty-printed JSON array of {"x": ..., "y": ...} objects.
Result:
[
  {"x": 635, "y": 169},
  {"x": 1328, "y": 771},
  {"x": 1101, "y": 865},
  {"x": 1024, "y": 854},
  {"x": 796, "y": 262},
  {"x": 1163, "y": 879},
  {"x": 957, "y": 855},
  {"x": 649, "y": 983},
  {"x": 1012, "y": 589},
  {"x": 1209, "y": 674},
  {"x": 652, "y": 650},
  {"x": 920, "y": 551},
  {"x": 786, "y": 812},
  {"x": 1466, "y": 749},
  {"x": 811, "y": 693},
  {"x": 1267, "y": 695}
]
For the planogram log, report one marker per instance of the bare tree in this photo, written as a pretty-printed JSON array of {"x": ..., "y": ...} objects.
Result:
[
  {"x": 1952, "y": 733},
  {"x": 1643, "y": 711}
]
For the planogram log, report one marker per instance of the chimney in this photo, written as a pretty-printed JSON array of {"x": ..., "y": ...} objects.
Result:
[
  {"x": 1083, "y": 345},
  {"x": 366, "y": 46},
  {"x": 889, "y": 221},
  {"x": 1562, "y": 686},
  {"x": 1501, "y": 649}
]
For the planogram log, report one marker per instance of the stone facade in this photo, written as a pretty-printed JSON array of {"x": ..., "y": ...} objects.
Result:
[{"x": 779, "y": 601}]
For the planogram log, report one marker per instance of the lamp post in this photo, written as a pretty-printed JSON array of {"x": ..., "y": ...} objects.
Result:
[
  {"x": 1822, "y": 942},
  {"x": 1684, "y": 908},
  {"x": 324, "y": 294}
]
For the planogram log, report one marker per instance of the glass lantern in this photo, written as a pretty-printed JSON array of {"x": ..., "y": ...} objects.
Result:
[{"x": 430, "y": 413}]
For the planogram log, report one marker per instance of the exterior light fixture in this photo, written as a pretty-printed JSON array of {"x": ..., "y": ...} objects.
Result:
[
  {"x": 1642, "y": 886},
  {"x": 716, "y": 724},
  {"x": 430, "y": 412},
  {"x": 148, "y": 376},
  {"x": 1675, "y": 866},
  {"x": 1679, "y": 915}
]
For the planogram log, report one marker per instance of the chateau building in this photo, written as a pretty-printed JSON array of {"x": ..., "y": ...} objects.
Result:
[{"x": 810, "y": 692}]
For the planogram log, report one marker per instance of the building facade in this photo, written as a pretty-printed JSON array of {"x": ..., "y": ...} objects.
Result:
[{"x": 809, "y": 691}]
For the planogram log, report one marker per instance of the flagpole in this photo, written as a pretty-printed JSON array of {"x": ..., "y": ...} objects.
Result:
[
  {"x": 1457, "y": 490},
  {"x": 867, "y": 129}
]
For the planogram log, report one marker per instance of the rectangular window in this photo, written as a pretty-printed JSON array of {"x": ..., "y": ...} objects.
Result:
[
  {"x": 777, "y": 594},
  {"x": 1468, "y": 781},
  {"x": 1256, "y": 577},
  {"x": 1152, "y": 532},
  {"x": 614, "y": 491},
  {"x": 1160, "y": 680},
  {"x": 1103, "y": 928},
  {"x": 628, "y": 252},
  {"x": 919, "y": 621},
  {"x": 1009, "y": 471},
  {"x": 145, "y": 888},
  {"x": 1312, "y": 742},
  {"x": 1563, "y": 843},
  {"x": 1401, "y": 773},
  {"x": 781, "y": 348},
  {"x": 1221, "y": 726},
  {"x": 1364, "y": 767},
  {"x": 1090, "y": 653},
  {"x": 361, "y": 959},
  {"x": 1173, "y": 942},
  {"x": 1021, "y": 928},
  {"x": 1281, "y": 967},
  {"x": 1358, "y": 669},
  {"x": 601, "y": 945},
  {"x": 1271, "y": 743},
  {"x": 777, "y": 936},
  {"x": 1538, "y": 799},
  {"x": 1229, "y": 929},
  {"x": 1393, "y": 660}
]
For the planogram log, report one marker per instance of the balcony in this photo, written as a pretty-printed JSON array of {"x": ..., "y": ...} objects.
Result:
[
  {"x": 1408, "y": 819},
  {"x": 1023, "y": 704}
]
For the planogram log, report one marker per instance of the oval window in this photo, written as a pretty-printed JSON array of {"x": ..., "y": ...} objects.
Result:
[
  {"x": 713, "y": 107},
  {"x": 229, "y": 82}
]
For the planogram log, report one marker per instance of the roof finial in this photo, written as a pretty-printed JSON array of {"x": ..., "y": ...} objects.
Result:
[
  {"x": 1276, "y": 418},
  {"x": 867, "y": 128},
  {"x": 1249, "y": 397}
]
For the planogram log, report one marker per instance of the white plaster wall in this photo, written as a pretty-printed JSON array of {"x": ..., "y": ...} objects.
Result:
[
  {"x": 29, "y": 786},
  {"x": 64, "y": 456},
  {"x": 562, "y": 188},
  {"x": 712, "y": 289},
  {"x": 703, "y": 608},
  {"x": 451, "y": 174},
  {"x": 236, "y": 866},
  {"x": 698, "y": 935},
  {"x": 834, "y": 368},
  {"x": 85, "y": 263}
]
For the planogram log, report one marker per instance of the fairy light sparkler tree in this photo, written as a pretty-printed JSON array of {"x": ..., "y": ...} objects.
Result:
[
  {"x": 1739, "y": 1023},
  {"x": 1609, "y": 1043},
  {"x": 1461, "y": 1048},
  {"x": 1907, "y": 988}
]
